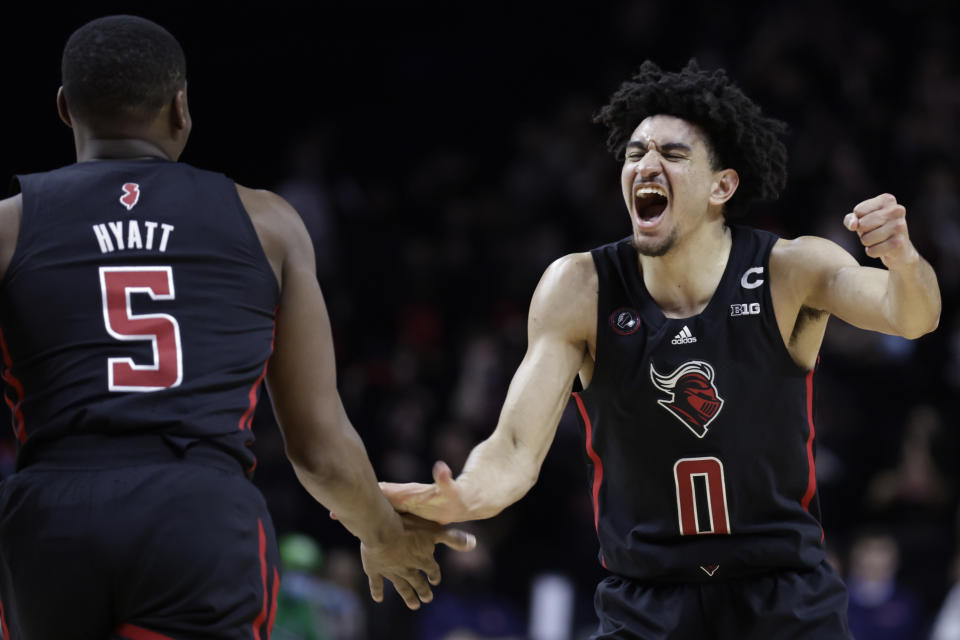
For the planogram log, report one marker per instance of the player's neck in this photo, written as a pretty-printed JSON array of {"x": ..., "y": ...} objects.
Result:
[
  {"x": 683, "y": 280},
  {"x": 119, "y": 149}
]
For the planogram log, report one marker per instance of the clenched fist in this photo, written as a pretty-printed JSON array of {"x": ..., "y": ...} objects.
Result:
[{"x": 881, "y": 224}]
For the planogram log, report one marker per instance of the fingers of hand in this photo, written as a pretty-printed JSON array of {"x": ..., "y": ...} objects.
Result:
[
  {"x": 888, "y": 247},
  {"x": 433, "y": 572},
  {"x": 420, "y": 585},
  {"x": 893, "y": 231},
  {"x": 412, "y": 588},
  {"x": 404, "y": 496},
  {"x": 850, "y": 221},
  {"x": 457, "y": 540},
  {"x": 874, "y": 204},
  {"x": 376, "y": 587}
]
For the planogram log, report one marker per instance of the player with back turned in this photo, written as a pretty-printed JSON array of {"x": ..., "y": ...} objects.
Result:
[
  {"x": 695, "y": 341},
  {"x": 141, "y": 301}
]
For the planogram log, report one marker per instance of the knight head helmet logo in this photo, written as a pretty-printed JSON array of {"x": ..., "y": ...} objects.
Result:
[{"x": 692, "y": 396}]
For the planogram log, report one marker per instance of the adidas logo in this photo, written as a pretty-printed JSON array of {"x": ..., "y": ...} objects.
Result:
[{"x": 684, "y": 337}]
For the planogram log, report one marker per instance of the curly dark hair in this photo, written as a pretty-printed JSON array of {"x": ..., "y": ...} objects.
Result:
[
  {"x": 739, "y": 136},
  {"x": 121, "y": 66}
]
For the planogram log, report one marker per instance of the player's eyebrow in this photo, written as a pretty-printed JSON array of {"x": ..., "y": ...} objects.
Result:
[{"x": 667, "y": 146}]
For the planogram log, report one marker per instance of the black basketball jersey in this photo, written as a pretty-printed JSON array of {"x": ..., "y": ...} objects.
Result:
[
  {"x": 699, "y": 431},
  {"x": 138, "y": 300}
]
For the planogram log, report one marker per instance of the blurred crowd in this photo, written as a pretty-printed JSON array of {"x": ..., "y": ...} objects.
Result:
[{"x": 428, "y": 268}]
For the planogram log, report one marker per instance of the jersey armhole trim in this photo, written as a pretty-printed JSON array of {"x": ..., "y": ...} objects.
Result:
[{"x": 772, "y": 326}]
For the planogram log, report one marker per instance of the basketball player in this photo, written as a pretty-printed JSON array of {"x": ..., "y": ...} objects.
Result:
[
  {"x": 140, "y": 302},
  {"x": 695, "y": 341}
]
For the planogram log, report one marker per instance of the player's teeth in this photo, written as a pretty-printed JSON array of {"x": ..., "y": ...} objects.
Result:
[{"x": 648, "y": 191}]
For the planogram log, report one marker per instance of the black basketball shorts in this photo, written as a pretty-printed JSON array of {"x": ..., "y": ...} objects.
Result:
[
  {"x": 167, "y": 547},
  {"x": 786, "y": 605}
]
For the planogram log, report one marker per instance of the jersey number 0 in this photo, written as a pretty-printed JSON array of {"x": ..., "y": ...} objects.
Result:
[
  {"x": 118, "y": 285},
  {"x": 701, "y": 496}
]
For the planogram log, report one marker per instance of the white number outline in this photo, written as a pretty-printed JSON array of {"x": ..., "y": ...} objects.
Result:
[{"x": 688, "y": 477}]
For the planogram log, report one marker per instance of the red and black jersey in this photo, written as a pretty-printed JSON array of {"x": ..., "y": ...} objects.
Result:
[
  {"x": 138, "y": 300},
  {"x": 699, "y": 431}
]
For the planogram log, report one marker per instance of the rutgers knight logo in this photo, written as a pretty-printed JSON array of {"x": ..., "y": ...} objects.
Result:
[
  {"x": 131, "y": 195},
  {"x": 692, "y": 396}
]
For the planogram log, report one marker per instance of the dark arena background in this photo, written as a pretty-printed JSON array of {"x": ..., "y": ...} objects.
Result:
[{"x": 443, "y": 155}]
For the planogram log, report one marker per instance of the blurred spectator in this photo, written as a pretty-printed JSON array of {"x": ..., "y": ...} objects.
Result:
[
  {"x": 947, "y": 623},
  {"x": 880, "y": 607},
  {"x": 317, "y": 606},
  {"x": 468, "y": 605}
]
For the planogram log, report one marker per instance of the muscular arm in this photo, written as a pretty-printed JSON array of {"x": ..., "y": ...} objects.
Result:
[
  {"x": 10, "y": 212},
  {"x": 501, "y": 469},
  {"x": 326, "y": 452},
  {"x": 814, "y": 273}
]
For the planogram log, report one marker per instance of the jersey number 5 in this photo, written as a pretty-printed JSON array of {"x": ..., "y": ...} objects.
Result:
[
  {"x": 118, "y": 284},
  {"x": 701, "y": 496}
]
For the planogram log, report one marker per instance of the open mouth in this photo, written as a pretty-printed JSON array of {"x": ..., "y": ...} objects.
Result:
[{"x": 649, "y": 203}]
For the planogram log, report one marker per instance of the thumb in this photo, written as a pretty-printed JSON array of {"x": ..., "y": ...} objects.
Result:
[
  {"x": 442, "y": 474},
  {"x": 851, "y": 221},
  {"x": 457, "y": 539}
]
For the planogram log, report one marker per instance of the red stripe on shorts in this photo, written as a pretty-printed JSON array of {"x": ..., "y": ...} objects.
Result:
[
  {"x": 3, "y": 624},
  {"x": 133, "y": 632},
  {"x": 262, "y": 616},
  {"x": 273, "y": 602}
]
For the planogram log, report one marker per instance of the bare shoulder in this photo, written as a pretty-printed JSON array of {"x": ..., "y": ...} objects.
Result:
[
  {"x": 269, "y": 209},
  {"x": 279, "y": 227},
  {"x": 11, "y": 210},
  {"x": 567, "y": 295},
  {"x": 571, "y": 277},
  {"x": 809, "y": 253},
  {"x": 807, "y": 261}
]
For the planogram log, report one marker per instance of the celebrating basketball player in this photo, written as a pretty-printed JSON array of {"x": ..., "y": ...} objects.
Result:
[{"x": 695, "y": 341}]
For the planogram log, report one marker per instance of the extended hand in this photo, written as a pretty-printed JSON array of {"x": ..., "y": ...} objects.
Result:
[
  {"x": 441, "y": 501},
  {"x": 882, "y": 226},
  {"x": 405, "y": 561}
]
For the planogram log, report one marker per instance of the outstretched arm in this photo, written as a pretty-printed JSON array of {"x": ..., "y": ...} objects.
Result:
[
  {"x": 903, "y": 299},
  {"x": 501, "y": 469},
  {"x": 326, "y": 452}
]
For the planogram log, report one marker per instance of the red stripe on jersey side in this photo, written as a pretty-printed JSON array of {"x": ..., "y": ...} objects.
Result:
[
  {"x": 20, "y": 428},
  {"x": 246, "y": 420},
  {"x": 133, "y": 632},
  {"x": 811, "y": 465},
  {"x": 262, "y": 616},
  {"x": 597, "y": 464},
  {"x": 273, "y": 602},
  {"x": 3, "y": 623}
]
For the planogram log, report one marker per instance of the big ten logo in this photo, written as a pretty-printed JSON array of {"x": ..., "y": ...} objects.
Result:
[{"x": 751, "y": 309}]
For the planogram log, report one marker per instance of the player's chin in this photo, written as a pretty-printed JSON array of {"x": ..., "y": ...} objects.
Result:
[{"x": 653, "y": 245}]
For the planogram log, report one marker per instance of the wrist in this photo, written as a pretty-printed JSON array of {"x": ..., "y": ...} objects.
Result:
[
  {"x": 909, "y": 261},
  {"x": 385, "y": 533}
]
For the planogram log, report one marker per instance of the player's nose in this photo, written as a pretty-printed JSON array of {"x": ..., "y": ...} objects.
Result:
[{"x": 649, "y": 166}]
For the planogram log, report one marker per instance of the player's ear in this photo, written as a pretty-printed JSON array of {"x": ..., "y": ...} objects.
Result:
[
  {"x": 724, "y": 185},
  {"x": 62, "y": 108},
  {"x": 180, "y": 111}
]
